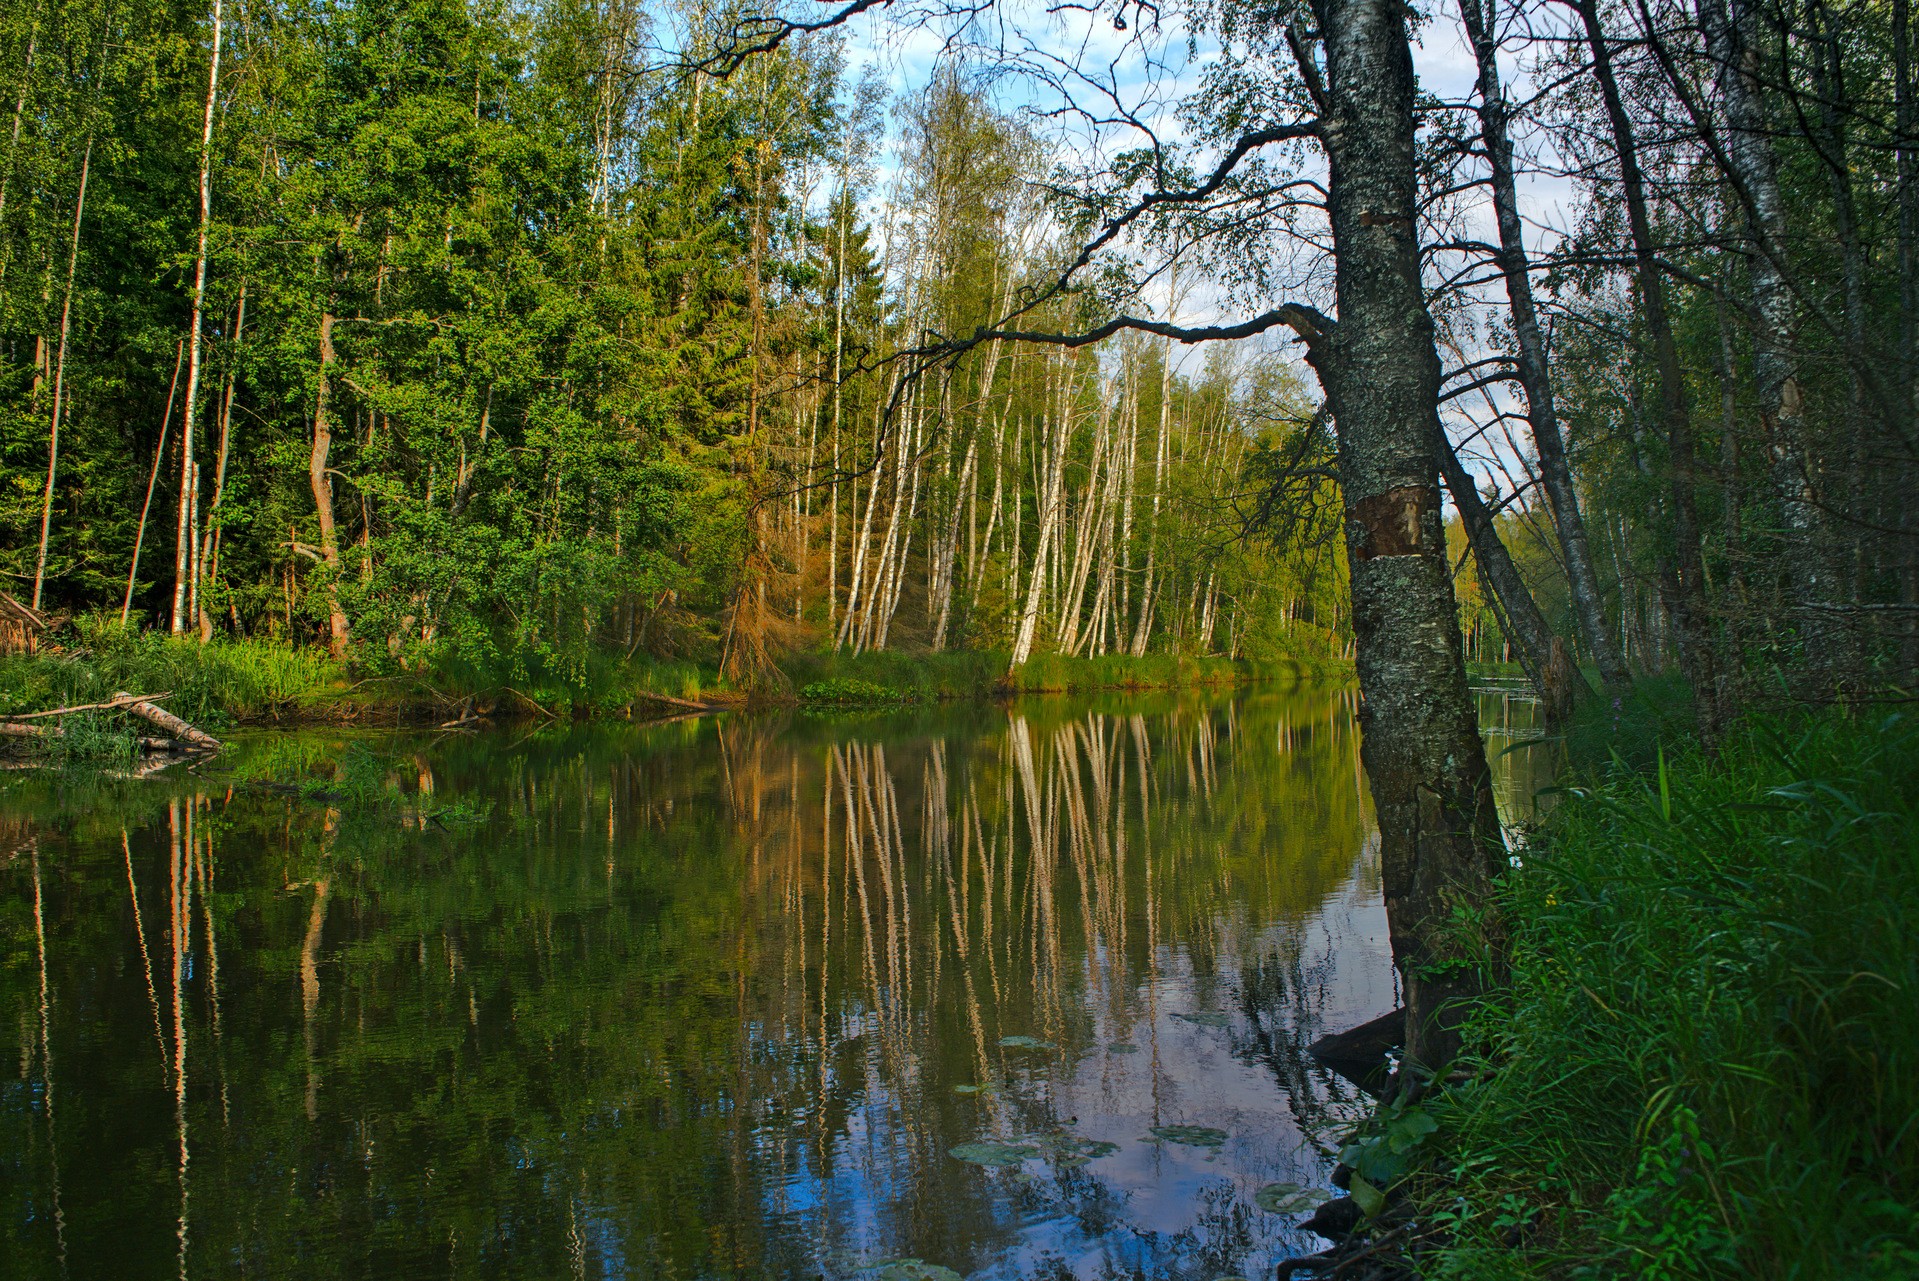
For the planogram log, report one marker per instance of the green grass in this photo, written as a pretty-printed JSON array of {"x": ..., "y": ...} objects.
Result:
[{"x": 1706, "y": 1063}]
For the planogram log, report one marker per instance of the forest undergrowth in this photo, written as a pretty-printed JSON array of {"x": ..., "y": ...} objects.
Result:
[{"x": 1706, "y": 1060}]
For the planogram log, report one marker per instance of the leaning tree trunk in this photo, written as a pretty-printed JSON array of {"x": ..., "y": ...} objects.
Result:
[
  {"x": 60, "y": 379},
  {"x": 1683, "y": 576},
  {"x": 1555, "y": 470},
  {"x": 1440, "y": 842},
  {"x": 1541, "y": 651}
]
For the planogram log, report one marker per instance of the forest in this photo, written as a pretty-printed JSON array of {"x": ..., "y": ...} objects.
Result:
[
  {"x": 553, "y": 346},
  {"x": 441, "y": 332},
  {"x": 436, "y": 332}
]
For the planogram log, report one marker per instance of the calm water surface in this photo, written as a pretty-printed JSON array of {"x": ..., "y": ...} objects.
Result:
[{"x": 714, "y": 998}]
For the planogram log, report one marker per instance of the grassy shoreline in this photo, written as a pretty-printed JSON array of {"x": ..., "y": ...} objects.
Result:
[
  {"x": 259, "y": 682},
  {"x": 1705, "y": 1062}
]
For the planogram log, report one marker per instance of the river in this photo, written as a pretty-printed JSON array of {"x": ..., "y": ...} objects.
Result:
[{"x": 1016, "y": 991}]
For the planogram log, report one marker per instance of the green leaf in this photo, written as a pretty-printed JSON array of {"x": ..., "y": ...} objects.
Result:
[{"x": 1369, "y": 1198}]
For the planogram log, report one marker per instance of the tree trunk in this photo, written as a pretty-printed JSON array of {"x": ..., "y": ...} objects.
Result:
[
  {"x": 1541, "y": 652},
  {"x": 13, "y": 142},
  {"x": 159, "y": 450},
  {"x": 1906, "y": 153},
  {"x": 210, "y": 547},
  {"x": 1732, "y": 44},
  {"x": 323, "y": 491},
  {"x": 1440, "y": 841},
  {"x": 60, "y": 377},
  {"x": 1683, "y": 580},
  {"x": 184, "y": 559},
  {"x": 1535, "y": 377}
]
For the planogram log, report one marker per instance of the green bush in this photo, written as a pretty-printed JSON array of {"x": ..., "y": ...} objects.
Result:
[{"x": 848, "y": 689}]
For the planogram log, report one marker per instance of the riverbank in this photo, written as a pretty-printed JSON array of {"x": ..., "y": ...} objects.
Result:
[
  {"x": 259, "y": 682},
  {"x": 1706, "y": 1061}
]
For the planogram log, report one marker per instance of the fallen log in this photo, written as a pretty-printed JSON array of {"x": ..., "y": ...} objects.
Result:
[
  {"x": 1359, "y": 1054},
  {"x": 687, "y": 703},
  {"x": 117, "y": 701},
  {"x": 170, "y": 723},
  {"x": 146, "y": 743}
]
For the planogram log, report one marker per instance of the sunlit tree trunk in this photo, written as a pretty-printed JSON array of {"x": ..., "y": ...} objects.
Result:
[
  {"x": 322, "y": 486},
  {"x": 183, "y": 555},
  {"x": 210, "y": 546},
  {"x": 60, "y": 377},
  {"x": 153, "y": 477}
]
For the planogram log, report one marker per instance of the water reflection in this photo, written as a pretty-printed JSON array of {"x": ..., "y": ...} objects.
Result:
[{"x": 715, "y": 998}]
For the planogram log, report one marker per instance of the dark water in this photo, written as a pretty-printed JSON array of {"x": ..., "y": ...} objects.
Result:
[{"x": 707, "y": 999}]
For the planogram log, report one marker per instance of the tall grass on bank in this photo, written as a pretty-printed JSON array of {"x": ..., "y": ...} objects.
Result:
[
  {"x": 211, "y": 684},
  {"x": 1707, "y": 1061}
]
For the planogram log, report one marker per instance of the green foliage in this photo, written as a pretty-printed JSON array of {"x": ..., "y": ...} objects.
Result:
[
  {"x": 848, "y": 689},
  {"x": 1706, "y": 1064}
]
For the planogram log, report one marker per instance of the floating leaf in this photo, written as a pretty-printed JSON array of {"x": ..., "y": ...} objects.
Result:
[
  {"x": 1070, "y": 1149},
  {"x": 1198, "y": 1136},
  {"x": 1287, "y": 1198},
  {"x": 984, "y": 1087},
  {"x": 909, "y": 1270},
  {"x": 1204, "y": 1018},
  {"x": 1026, "y": 1043},
  {"x": 993, "y": 1153},
  {"x": 1121, "y": 1047}
]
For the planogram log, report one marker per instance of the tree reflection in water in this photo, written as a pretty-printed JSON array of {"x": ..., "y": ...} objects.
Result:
[{"x": 712, "y": 998}]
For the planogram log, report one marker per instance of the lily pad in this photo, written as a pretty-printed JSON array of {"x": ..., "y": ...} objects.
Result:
[
  {"x": 984, "y": 1087},
  {"x": 1287, "y": 1198},
  {"x": 1070, "y": 1149},
  {"x": 1198, "y": 1136},
  {"x": 909, "y": 1270},
  {"x": 993, "y": 1154},
  {"x": 1205, "y": 1018},
  {"x": 1026, "y": 1043},
  {"x": 1121, "y": 1047}
]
